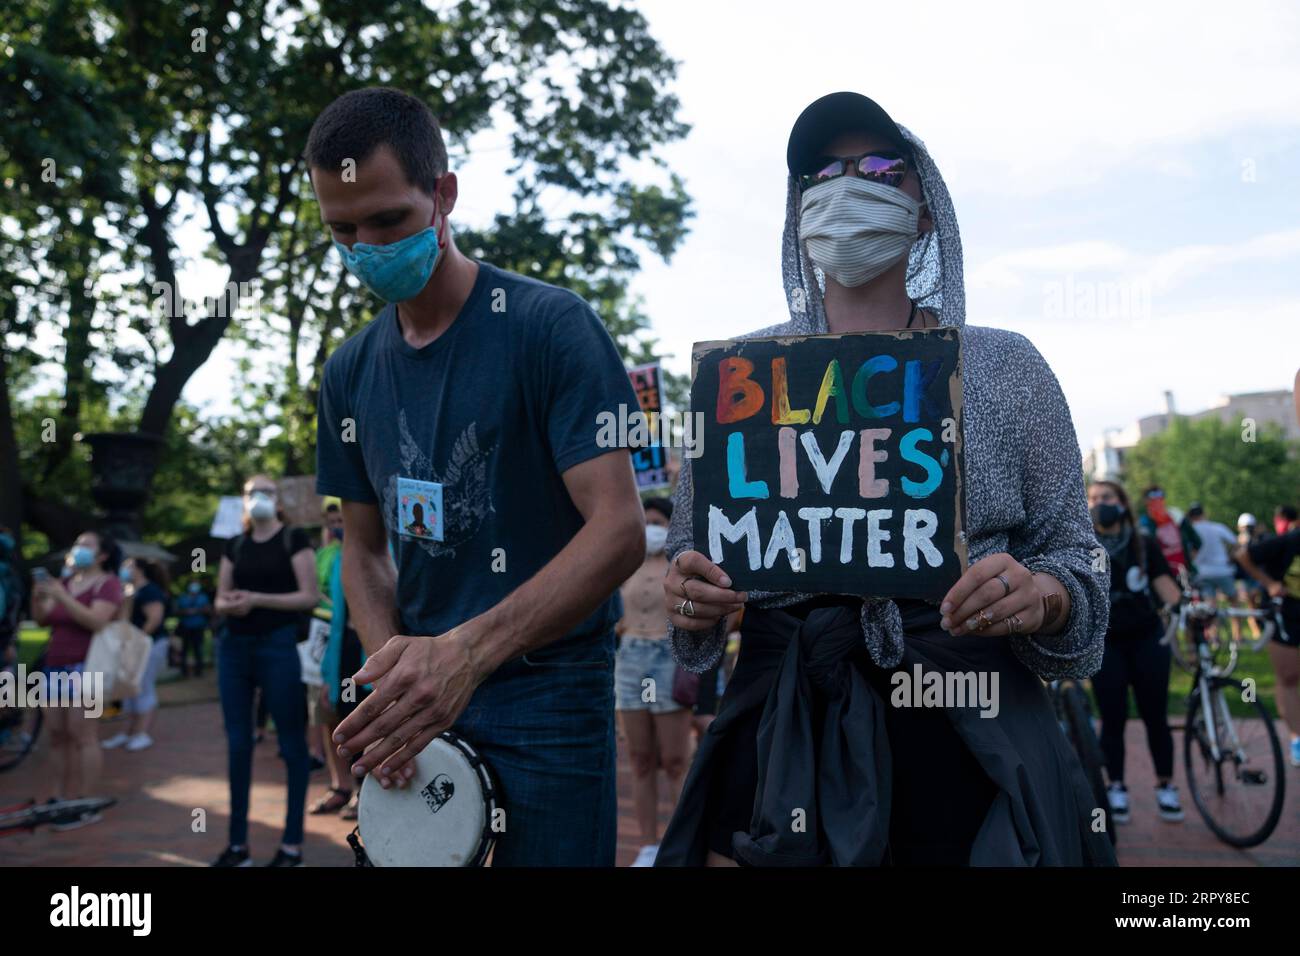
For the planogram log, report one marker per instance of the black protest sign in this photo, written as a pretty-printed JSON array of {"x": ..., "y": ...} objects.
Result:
[
  {"x": 651, "y": 462},
  {"x": 832, "y": 463}
]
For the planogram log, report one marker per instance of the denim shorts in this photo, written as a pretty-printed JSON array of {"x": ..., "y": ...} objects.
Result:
[
  {"x": 59, "y": 690},
  {"x": 1210, "y": 584},
  {"x": 639, "y": 661}
]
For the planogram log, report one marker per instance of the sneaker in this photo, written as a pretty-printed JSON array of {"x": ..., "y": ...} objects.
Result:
[
  {"x": 76, "y": 823},
  {"x": 232, "y": 857},
  {"x": 1167, "y": 802},
  {"x": 139, "y": 742},
  {"x": 647, "y": 856},
  {"x": 286, "y": 859},
  {"x": 1295, "y": 751},
  {"x": 115, "y": 741},
  {"x": 1118, "y": 795}
]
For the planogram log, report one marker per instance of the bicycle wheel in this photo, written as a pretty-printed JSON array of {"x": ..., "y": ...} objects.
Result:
[
  {"x": 1084, "y": 740},
  {"x": 1240, "y": 794},
  {"x": 19, "y": 728}
]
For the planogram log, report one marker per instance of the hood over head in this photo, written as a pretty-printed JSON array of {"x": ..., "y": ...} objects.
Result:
[{"x": 934, "y": 270}]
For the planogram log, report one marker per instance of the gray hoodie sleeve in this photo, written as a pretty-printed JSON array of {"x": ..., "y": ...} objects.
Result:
[
  {"x": 695, "y": 650},
  {"x": 1056, "y": 536}
]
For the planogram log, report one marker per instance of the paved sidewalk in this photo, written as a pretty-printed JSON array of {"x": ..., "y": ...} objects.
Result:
[{"x": 161, "y": 792}]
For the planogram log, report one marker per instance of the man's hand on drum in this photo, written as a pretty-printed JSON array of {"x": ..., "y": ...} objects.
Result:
[
  {"x": 422, "y": 684},
  {"x": 995, "y": 597},
  {"x": 697, "y": 593}
]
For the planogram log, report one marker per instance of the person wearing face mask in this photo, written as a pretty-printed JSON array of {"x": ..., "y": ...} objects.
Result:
[
  {"x": 462, "y": 428},
  {"x": 1285, "y": 519},
  {"x": 656, "y": 727},
  {"x": 1168, "y": 533},
  {"x": 145, "y": 583},
  {"x": 195, "y": 612},
  {"x": 1275, "y": 563},
  {"x": 1140, "y": 577},
  {"x": 74, "y": 608},
  {"x": 808, "y": 719},
  {"x": 267, "y": 579}
]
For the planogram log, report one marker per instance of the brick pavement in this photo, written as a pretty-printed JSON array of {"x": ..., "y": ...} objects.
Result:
[{"x": 159, "y": 789}]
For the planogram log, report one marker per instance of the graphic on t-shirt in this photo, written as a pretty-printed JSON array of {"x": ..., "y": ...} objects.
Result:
[
  {"x": 419, "y": 508},
  {"x": 465, "y": 499}
]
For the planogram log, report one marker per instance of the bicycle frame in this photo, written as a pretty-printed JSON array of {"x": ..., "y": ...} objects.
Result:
[{"x": 1194, "y": 616}]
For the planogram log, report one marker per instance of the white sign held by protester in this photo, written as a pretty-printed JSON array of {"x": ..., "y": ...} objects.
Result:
[{"x": 228, "y": 522}]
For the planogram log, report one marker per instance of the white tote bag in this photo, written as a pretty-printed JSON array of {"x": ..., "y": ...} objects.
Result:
[{"x": 120, "y": 651}]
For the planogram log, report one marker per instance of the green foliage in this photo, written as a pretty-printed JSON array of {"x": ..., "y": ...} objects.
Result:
[
  {"x": 1208, "y": 461},
  {"x": 155, "y": 113}
]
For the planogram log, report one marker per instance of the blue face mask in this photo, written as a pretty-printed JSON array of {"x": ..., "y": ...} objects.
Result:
[
  {"x": 125, "y": 574},
  {"x": 82, "y": 557},
  {"x": 397, "y": 271}
]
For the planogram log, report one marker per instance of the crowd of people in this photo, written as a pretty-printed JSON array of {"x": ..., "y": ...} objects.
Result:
[{"x": 489, "y": 567}]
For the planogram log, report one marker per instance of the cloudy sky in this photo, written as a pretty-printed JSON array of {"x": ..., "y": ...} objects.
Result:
[{"x": 1147, "y": 154}]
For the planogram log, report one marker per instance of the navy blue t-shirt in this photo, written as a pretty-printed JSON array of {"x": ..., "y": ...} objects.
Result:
[{"x": 462, "y": 443}]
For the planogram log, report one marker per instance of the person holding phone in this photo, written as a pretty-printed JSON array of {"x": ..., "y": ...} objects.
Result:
[{"x": 74, "y": 608}]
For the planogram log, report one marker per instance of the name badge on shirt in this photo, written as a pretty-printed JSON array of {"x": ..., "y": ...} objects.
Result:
[{"x": 419, "y": 509}]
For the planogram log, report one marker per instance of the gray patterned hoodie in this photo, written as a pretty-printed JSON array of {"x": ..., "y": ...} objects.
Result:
[{"x": 1024, "y": 478}]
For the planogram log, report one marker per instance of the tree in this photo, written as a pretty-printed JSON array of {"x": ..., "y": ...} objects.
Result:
[
  {"x": 157, "y": 112},
  {"x": 1212, "y": 462}
]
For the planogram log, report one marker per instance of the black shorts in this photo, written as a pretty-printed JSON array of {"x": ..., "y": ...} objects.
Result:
[{"x": 1288, "y": 632}]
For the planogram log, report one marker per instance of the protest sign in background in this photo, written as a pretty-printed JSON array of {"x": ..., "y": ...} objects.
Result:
[
  {"x": 650, "y": 463},
  {"x": 832, "y": 463}
]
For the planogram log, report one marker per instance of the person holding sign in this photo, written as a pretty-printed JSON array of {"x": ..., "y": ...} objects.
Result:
[{"x": 894, "y": 715}]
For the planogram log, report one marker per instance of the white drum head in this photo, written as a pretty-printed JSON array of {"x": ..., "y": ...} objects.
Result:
[{"x": 438, "y": 819}]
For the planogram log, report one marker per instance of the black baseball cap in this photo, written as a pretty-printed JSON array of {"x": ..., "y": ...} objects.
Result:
[{"x": 833, "y": 114}]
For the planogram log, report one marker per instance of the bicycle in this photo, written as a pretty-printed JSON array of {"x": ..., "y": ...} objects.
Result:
[
  {"x": 1074, "y": 714},
  {"x": 20, "y": 726},
  {"x": 29, "y": 815},
  {"x": 1236, "y": 777}
]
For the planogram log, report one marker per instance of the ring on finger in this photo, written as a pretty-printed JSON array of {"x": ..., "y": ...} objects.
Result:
[
  {"x": 983, "y": 620},
  {"x": 1005, "y": 584},
  {"x": 1014, "y": 624},
  {"x": 688, "y": 608}
]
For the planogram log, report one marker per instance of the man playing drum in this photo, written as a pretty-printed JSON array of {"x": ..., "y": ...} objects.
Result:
[{"x": 459, "y": 430}]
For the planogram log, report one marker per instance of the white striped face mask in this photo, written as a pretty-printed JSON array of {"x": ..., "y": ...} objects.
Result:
[{"x": 856, "y": 229}]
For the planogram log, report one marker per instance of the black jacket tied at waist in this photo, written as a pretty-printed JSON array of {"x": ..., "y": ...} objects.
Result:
[
  {"x": 823, "y": 766},
  {"x": 807, "y": 698}
]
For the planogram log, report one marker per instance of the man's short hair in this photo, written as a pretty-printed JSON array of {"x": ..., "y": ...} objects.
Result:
[{"x": 358, "y": 123}]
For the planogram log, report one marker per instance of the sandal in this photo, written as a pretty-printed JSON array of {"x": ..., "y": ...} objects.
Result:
[
  {"x": 336, "y": 799},
  {"x": 350, "y": 811}
]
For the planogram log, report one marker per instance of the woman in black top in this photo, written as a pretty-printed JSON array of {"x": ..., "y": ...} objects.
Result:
[
  {"x": 267, "y": 581},
  {"x": 1134, "y": 655},
  {"x": 146, "y": 606}
]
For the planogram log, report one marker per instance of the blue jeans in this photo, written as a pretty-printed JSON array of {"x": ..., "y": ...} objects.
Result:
[
  {"x": 544, "y": 722},
  {"x": 147, "y": 700},
  {"x": 269, "y": 661}
]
